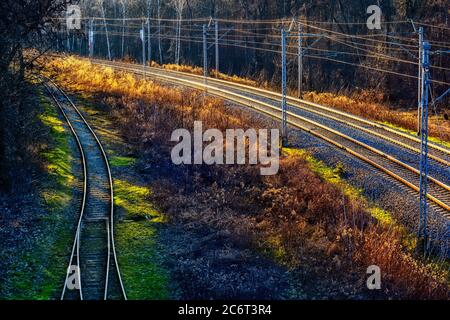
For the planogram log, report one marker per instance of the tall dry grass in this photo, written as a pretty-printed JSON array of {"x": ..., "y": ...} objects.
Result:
[
  {"x": 295, "y": 215},
  {"x": 315, "y": 217},
  {"x": 199, "y": 71},
  {"x": 362, "y": 103}
]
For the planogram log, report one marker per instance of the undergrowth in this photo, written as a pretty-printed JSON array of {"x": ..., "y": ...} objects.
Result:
[{"x": 46, "y": 262}]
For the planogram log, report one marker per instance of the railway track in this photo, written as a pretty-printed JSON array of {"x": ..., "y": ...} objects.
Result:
[
  {"x": 327, "y": 124},
  {"x": 437, "y": 153},
  {"x": 93, "y": 255}
]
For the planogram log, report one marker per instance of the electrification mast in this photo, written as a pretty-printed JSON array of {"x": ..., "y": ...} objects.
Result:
[{"x": 425, "y": 81}]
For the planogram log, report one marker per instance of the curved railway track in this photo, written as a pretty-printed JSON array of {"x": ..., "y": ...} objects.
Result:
[
  {"x": 268, "y": 103},
  {"x": 93, "y": 251},
  {"x": 405, "y": 140}
]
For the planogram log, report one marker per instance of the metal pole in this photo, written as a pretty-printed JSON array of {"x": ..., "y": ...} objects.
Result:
[
  {"x": 283, "y": 86},
  {"x": 419, "y": 81},
  {"x": 177, "y": 35},
  {"x": 123, "y": 29},
  {"x": 106, "y": 30},
  {"x": 68, "y": 39},
  {"x": 149, "y": 42},
  {"x": 159, "y": 32},
  {"x": 205, "y": 56},
  {"x": 86, "y": 38},
  {"x": 300, "y": 60},
  {"x": 91, "y": 38},
  {"x": 216, "y": 26},
  {"x": 423, "y": 218},
  {"x": 143, "y": 49}
]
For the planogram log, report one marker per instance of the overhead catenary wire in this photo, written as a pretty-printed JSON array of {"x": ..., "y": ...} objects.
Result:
[
  {"x": 371, "y": 54},
  {"x": 188, "y": 39},
  {"x": 250, "y": 38}
]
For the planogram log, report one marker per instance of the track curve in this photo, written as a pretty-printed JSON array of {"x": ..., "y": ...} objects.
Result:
[{"x": 93, "y": 253}]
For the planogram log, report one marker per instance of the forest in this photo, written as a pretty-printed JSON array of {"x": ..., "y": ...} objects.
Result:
[{"x": 249, "y": 34}]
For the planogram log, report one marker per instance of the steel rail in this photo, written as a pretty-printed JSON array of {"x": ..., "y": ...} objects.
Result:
[
  {"x": 109, "y": 221},
  {"x": 253, "y": 103},
  {"x": 311, "y": 107},
  {"x": 83, "y": 203}
]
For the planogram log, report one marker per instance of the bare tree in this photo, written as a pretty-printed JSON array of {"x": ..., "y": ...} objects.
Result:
[
  {"x": 124, "y": 14},
  {"x": 23, "y": 24},
  {"x": 102, "y": 10},
  {"x": 179, "y": 7},
  {"x": 159, "y": 31},
  {"x": 149, "y": 44}
]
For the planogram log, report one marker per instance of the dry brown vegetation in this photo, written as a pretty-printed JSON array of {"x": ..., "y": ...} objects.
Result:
[
  {"x": 199, "y": 71},
  {"x": 364, "y": 104},
  {"x": 295, "y": 216}
]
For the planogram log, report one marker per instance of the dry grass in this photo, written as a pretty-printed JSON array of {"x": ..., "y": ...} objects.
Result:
[
  {"x": 233, "y": 78},
  {"x": 306, "y": 216},
  {"x": 199, "y": 71},
  {"x": 296, "y": 216},
  {"x": 410, "y": 278},
  {"x": 361, "y": 105}
]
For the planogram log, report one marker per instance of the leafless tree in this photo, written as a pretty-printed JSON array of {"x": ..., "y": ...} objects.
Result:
[
  {"x": 149, "y": 43},
  {"x": 179, "y": 7},
  {"x": 159, "y": 31},
  {"x": 124, "y": 4},
  {"x": 102, "y": 10},
  {"x": 23, "y": 24}
]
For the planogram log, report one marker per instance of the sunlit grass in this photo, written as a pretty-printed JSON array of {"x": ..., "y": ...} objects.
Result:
[
  {"x": 139, "y": 261},
  {"x": 38, "y": 273},
  {"x": 118, "y": 161},
  {"x": 274, "y": 247},
  {"x": 414, "y": 133},
  {"x": 133, "y": 199},
  {"x": 58, "y": 197},
  {"x": 362, "y": 105},
  {"x": 143, "y": 276},
  {"x": 136, "y": 241},
  {"x": 333, "y": 176},
  {"x": 329, "y": 174},
  {"x": 199, "y": 71},
  {"x": 58, "y": 159}
]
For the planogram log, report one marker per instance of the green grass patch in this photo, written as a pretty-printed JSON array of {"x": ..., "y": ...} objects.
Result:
[
  {"x": 329, "y": 174},
  {"x": 58, "y": 158},
  {"x": 334, "y": 177},
  {"x": 143, "y": 276},
  {"x": 133, "y": 199},
  {"x": 38, "y": 273},
  {"x": 136, "y": 241},
  {"x": 139, "y": 261},
  {"x": 118, "y": 161},
  {"x": 413, "y": 133},
  {"x": 58, "y": 196}
]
